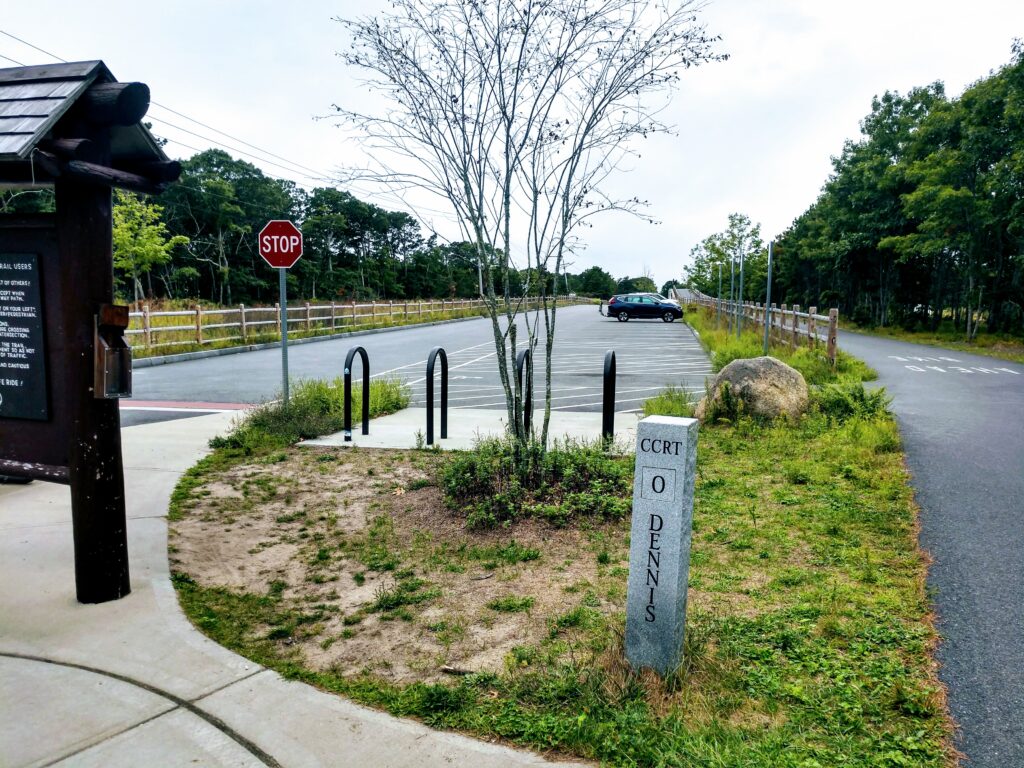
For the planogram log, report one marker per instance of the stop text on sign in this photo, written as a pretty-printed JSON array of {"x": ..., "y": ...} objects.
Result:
[{"x": 280, "y": 244}]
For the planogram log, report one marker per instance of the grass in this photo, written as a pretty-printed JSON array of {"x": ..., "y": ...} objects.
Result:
[
  {"x": 1003, "y": 346},
  {"x": 725, "y": 347},
  {"x": 315, "y": 408},
  {"x": 808, "y": 640}
]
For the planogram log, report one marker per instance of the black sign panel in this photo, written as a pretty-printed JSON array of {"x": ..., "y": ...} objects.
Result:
[{"x": 23, "y": 385}]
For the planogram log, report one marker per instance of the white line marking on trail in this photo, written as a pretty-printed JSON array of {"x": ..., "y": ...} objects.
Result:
[{"x": 1009, "y": 370}]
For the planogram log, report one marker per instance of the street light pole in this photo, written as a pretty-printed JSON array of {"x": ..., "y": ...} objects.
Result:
[
  {"x": 718, "y": 315},
  {"x": 768, "y": 301},
  {"x": 732, "y": 286},
  {"x": 739, "y": 300}
]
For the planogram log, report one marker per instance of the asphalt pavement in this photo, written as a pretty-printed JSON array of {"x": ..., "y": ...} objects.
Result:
[
  {"x": 962, "y": 421},
  {"x": 650, "y": 355}
]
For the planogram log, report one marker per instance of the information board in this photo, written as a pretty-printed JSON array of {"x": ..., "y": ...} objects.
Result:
[{"x": 23, "y": 383}]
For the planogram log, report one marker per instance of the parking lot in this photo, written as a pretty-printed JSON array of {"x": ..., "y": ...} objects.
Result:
[{"x": 649, "y": 356}]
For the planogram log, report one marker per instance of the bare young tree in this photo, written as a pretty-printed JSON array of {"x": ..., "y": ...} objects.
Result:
[{"x": 515, "y": 112}]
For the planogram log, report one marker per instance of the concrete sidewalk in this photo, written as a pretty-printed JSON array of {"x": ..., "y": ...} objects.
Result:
[{"x": 132, "y": 683}]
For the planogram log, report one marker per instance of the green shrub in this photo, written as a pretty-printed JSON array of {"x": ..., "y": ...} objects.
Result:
[
  {"x": 840, "y": 402},
  {"x": 501, "y": 480}
]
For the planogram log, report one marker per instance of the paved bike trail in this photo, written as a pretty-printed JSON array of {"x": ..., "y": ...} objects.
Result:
[{"x": 962, "y": 421}]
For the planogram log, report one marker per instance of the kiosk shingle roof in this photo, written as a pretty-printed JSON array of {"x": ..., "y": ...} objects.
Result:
[{"x": 34, "y": 99}]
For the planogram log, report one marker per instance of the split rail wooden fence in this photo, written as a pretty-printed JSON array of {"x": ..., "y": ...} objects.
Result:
[
  {"x": 246, "y": 325},
  {"x": 788, "y": 324}
]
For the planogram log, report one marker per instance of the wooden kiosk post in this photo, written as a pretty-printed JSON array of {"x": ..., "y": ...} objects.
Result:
[{"x": 63, "y": 359}]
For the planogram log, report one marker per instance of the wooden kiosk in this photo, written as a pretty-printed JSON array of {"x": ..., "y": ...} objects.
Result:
[{"x": 63, "y": 359}]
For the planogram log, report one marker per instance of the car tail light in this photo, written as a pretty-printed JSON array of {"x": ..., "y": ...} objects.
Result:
[{"x": 611, "y": 300}]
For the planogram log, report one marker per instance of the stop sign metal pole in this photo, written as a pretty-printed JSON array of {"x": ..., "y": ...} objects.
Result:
[
  {"x": 283, "y": 283},
  {"x": 280, "y": 245}
]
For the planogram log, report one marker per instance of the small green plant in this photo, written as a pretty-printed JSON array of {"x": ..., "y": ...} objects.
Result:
[
  {"x": 511, "y": 604},
  {"x": 500, "y": 481},
  {"x": 672, "y": 401}
]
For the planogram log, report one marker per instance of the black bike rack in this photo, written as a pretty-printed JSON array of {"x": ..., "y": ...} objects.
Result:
[
  {"x": 348, "y": 392},
  {"x": 525, "y": 357},
  {"x": 430, "y": 394},
  {"x": 608, "y": 401}
]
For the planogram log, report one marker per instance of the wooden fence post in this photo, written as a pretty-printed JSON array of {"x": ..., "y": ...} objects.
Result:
[
  {"x": 812, "y": 329},
  {"x": 405, "y": 311},
  {"x": 241, "y": 323},
  {"x": 199, "y": 324},
  {"x": 333, "y": 315},
  {"x": 309, "y": 325},
  {"x": 796, "y": 326},
  {"x": 146, "y": 327},
  {"x": 833, "y": 332},
  {"x": 391, "y": 310},
  {"x": 354, "y": 320},
  {"x": 277, "y": 316}
]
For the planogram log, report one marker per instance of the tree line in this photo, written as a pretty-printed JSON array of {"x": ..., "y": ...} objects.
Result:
[
  {"x": 921, "y": 221},
  {"x": 197, "y": 240}
]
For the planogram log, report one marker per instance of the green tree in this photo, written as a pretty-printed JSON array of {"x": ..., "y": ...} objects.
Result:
[
  {"x": 514, "y": 115},
  {"x": 140, "y": 239},
  {"x": 595, "y": 282}
]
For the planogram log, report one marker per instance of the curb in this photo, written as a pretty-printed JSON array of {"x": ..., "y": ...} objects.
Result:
[{"x": 149, "y": 362}]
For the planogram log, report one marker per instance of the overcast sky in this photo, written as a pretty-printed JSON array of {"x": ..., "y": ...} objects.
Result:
[{"x": 755, "y": 133}]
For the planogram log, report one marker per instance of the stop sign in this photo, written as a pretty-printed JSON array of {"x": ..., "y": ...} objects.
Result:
[{"x": 280, "y": 244}]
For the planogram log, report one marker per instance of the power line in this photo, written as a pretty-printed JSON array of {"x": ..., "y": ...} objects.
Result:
[
  {"x": 319, "y": 177},
  {"x": 36, "y": 47},
  {"x": 8, "y": 58},
  {"x": 233, "y": 138},
  {"x": 269, "y": 175}
]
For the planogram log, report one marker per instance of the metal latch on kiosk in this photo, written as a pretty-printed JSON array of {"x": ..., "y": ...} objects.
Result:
[{"x": 113, "y": 356}]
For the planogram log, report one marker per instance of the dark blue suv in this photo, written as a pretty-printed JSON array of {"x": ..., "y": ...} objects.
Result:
[{"x": 642, "y": 305}]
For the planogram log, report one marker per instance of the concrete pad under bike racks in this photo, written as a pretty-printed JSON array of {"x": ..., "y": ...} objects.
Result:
[{"x": 407, "y": 429}]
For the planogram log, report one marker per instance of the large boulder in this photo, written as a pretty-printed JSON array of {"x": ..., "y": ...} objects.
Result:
[{"x": 758, "y": 386}]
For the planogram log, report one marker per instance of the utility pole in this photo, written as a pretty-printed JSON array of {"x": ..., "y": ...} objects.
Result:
[
  {"x": 768, "y": 301},
  {"x": 732, "y": 286},
  {"x": 739, "y": 299},
  {"x": 718, "y": 315}
]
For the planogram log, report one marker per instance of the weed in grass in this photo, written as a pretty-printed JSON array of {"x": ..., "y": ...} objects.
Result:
[
  {"x": 672, "y": 401},
  {"x": 511, "y": 604}
]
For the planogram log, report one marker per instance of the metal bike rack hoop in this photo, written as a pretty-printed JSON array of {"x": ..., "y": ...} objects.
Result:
[
  {"x": 608, "y": 401},
  {"x": 348, "y": 391},
  {"x": 431, "y": 359}
]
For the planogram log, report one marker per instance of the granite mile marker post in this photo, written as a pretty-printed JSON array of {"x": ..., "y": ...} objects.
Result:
[{"x": 659, "y": 558}]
